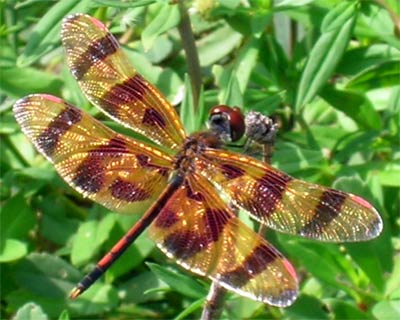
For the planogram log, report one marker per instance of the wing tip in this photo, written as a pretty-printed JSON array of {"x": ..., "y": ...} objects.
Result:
[
  {"x": 74, "y": 16},
  {"x": 77, "y": 18},
  {"x": 286, "y": 299},
  {"x": 20, "y": 103},
  {"x": 376, "y": 226},
  {"x": 283, "y": 298}
]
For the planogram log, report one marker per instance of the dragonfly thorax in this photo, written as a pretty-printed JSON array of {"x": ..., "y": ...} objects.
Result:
[{"x": 194, "y": 147}]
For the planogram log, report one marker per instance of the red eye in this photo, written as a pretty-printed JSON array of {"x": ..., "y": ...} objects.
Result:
[{"x": 235, "y": 119}]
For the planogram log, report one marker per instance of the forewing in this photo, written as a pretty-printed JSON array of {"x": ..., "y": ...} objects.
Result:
[
  {"x": 120, "y": 173},
  {"x": 197, "y": 229},
  {"x": 287, "y": 204},
  {"x": 110, "y": 82}
]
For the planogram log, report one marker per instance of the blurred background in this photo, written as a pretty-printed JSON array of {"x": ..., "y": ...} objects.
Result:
[{"x": 327, "y": 71}]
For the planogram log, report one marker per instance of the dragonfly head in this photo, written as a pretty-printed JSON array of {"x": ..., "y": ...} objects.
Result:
[{"x": 227, "y": 122}]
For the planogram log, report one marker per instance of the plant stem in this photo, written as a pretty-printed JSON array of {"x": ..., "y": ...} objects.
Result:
[
  {"x": 189, "y": 46},
  {"x": 213, "y": 305}
]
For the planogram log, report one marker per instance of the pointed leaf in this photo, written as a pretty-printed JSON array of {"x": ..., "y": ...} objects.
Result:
[
  {"x": 11, "y": 250},
  {"x": 217, "y": 45},
  {"x": 46, "y": 275},
  {"x": 125, "y": 4},
  {"x": 179, "y": 282},
  {"x": 167, "y": 18},
  {"x": 325, "y": 55},
  {"x": 18, "y": 82},
  {"x": 188, "y": 117},
  {"x": 354, "y": 105},
  {"x": 45, "y": 35},
  {"x": 384, "y": 75},
  {"x": 30, "y": 311}
]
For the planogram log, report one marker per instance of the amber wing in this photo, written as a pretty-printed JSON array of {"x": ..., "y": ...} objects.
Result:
[
  {"x": 121, "y": 173},
  {"x": 198, "y": 230},
  {"x": 110, "y": 82},
  {"x": 287, "y": 204}
]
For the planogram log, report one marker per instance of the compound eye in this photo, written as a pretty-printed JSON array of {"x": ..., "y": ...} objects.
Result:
[{"x": 235, "y": 119}]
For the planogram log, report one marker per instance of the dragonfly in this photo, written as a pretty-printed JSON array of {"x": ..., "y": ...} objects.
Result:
[{"x": 181, "y": 182}]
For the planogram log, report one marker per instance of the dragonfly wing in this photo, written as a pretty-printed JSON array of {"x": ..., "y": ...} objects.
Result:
[
  {"x": 199, "y": 231},
  {"x": 287, "y": 204},
  {"x": 110, "y": 82},
  {"x": 121, "y": 173}
]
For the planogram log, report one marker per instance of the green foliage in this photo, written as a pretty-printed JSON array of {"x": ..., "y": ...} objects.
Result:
[{"x": 330, "y": 74}]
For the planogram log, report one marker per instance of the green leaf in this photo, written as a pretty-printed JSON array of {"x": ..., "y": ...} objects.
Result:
[
  {"x": 125, "y": 4},
  {"x": 98, "y": 299},
  {"x": 387, "y": 310},
  {"x": 357, "y": 60},
  {"x": 245, "y": 62},
  {"x": 379, "y": 23},
  {"x": 289, "y": 4},
  {"x": 338, "y": 16},
  {"x": 134, "y": 289},
  {"x": 318, "y": 259},
  {"x": 196, "y": 305},
  {"x": 8, "y": 125},
  {"x": 46, "y": 275},
  {"x": 373, "y": 268},
  {"x": 241, "y": 307},
  {"x": 11, "y": 250},
  {"x": 217, "y": 45},
  {"x": 344, "y": 310},
  {"x": 161, "y": 49},
  {"x": 393, "y": 283},
  {"x": 84, "y": 245},
  {"x": 18, "y": 82},
  {"x": 325, "y": 55},
  {"x": 51, "y": 306},
  {"x": 57, "y": 223},
  {"x": 187, "y": 113},
  {"x": 230, "y": 92},
  {"x": 64, "y": 315},
  {"x": 178, "y": 281},
  {"x": 278, "y": 70},
  {"x": 26, "y": 180},
  {"x": 8, "y": 55},
  {"x": 390, "y": 177},
  {"x": 30, "y": 311},
  {"x": 291, "y": 159},
  {"x": 16, "y": 219},
  {"x": 45, "y": 35},
  {"x": 231, "y": 4},
  {"x": 383, "y": 75},
  {"x": 90, "y": 236},
  {"x": 232, "y": 96},
  {"x": 306, "y": 307},
  {"x": 354, "y": 105},
  {"x": 168, "y": 17}
]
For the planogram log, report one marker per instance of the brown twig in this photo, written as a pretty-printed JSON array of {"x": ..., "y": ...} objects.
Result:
[{"x": 213, "y": 305}]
